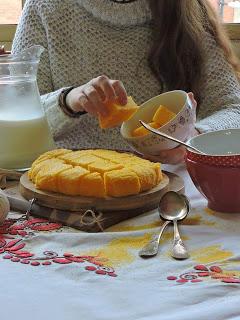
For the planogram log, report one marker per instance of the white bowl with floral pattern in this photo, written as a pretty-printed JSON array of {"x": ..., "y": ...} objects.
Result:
[{"x": 179, "y": 127}]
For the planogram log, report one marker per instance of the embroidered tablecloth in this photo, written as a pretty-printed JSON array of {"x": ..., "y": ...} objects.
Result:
[{"x": 50, "y": 271}]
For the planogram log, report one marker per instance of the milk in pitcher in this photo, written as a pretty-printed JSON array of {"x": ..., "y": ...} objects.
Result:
[{"x": 24, "y": 130}]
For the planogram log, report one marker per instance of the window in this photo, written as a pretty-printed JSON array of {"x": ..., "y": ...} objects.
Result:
[
  {"x": 228, "y": 9},
  {"x": 10, "y": 11}
]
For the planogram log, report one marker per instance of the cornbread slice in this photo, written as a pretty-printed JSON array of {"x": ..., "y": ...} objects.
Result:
[
  {"x": 74, "y": 154},
  {"x": 129, "y": 160},
  {"x": 147, "y": 176},
  {"x": 54, "y": 153},
  {"x": 68, "y": 181},
  {"x": 46, "y": 178},
  {"x": 157, "y": 168},
  {"x": 103, "y": 165},
  {"x": 120, "y": 183},
  {"x": 117, "y": 114},
  {"x": 50, "y": 154},
  {"x": 32, "y": 173},
  {"x": 163, "y": 115},
  {"x": 104, "y": 153},
  {"x": 83, "y": 160},
  {"x": 92, "y": 185},
  {"x": 111, "y": 155},
  {"x": 141, "y": 131}
]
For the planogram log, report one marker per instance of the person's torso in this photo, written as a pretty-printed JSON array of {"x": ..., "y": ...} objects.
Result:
[{"x": 84, "y": 44}]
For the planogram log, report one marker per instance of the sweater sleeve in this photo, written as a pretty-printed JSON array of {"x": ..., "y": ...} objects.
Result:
[
  {"x": 31, "y": 31},
  {"x": 220, "y": 91}
]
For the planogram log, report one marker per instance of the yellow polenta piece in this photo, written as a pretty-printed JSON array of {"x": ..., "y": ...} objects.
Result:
[
  {"x": 157, "y": 168},
  {"x": 146, "y": 174},
  {"x": 54, "y": 153},
  {"x": 68, "y": 181},
  {"x": 92, "y": 185},
  {"x": 105, "y": 154},
  {"x": 111, "y": 155},
  {"x": 46, "y": 178},
  {"x": 117, "y": 114},
  {"x": 32, "y": 173},
  {"x": 163, "y": 115},
  {"x": 141, "y": 131},
  {"x": 130, "y": 160},
  {"x": 74, "y": 155},
  {"x": 83, "y": 160},
  {"x": 102, "y": 166},
  {"x": 123, "y": 182},
  {"x": 50, "y": 154}
]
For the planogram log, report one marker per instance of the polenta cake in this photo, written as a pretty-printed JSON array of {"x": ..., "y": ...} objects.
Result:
[{"x": 94, "y": 173}]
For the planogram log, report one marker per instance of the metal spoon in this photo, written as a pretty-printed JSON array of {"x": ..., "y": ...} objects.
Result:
[
  {"x": 164, "y": 135},
  {"x": 175, "y": 207},
  {"x": 151, "y": 248}
]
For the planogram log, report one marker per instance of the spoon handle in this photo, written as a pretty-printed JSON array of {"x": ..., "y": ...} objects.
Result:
[
  {"x": 179, "y": 250},
  {"x": 151, "y": 248},
  {"x": 164, "y": 135}
]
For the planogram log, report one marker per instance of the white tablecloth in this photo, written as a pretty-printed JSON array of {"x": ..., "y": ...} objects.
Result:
[{"x": 65, "y": 274}]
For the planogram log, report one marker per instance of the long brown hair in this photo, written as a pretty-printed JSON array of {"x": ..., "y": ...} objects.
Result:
[{"x": 176, "y": 57}]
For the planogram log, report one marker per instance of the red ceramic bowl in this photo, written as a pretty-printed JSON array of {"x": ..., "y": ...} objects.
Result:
[
  {"x": 223, "y": 161},
  {"x": 219, "y": 185},
  {"x": 222, "y": 148}
]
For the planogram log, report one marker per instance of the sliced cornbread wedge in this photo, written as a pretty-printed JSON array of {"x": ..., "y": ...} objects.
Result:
[
  {"x": 163, "y": 115},
  {"x": 117, "y": 114},
  {"x": 46, "y": 178},
  {"x": 92, "y": 185},
  {"x": 147, "y": 176},
  {"x": 123, "y": 182},
  {"x": 141, "y": 131},
  {"x": 68, "y": 181},
  {"x": 83, "y": 160},
  {"x": 36, "y": 167},
  {"x": 103, "y": 166}
]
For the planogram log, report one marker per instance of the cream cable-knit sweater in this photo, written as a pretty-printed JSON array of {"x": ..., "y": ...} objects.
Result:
[{"x": 87, "y": 38}]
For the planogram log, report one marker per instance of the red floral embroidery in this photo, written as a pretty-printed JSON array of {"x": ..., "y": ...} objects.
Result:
[
  {"x": 201, "y": 271},
  {"x": 13, "y": 249}
]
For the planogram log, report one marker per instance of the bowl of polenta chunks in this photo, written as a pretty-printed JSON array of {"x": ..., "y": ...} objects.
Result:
[{"x": 170, "y": 112}]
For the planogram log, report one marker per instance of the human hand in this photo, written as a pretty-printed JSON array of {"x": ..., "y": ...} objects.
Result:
[
  {"x": 176, "y": 155},
  {"x": 93, "y": 96}
]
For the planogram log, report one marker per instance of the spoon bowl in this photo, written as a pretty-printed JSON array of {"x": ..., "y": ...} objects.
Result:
[{"x": 173, "y": 206}]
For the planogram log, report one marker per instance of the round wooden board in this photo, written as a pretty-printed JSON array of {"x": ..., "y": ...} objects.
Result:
[{"x": 143, "y": 200}]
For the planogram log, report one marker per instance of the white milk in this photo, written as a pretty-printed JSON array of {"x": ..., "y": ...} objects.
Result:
[
  {"x": 24, "y": 130},
  {"x": 21, "y": 142}
]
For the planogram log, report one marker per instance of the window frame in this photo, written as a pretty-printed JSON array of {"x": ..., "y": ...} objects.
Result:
[{"x": 233, "y": 30}]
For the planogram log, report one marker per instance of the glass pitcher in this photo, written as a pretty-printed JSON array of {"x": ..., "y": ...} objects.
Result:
[{"x": 24, "y": 130}]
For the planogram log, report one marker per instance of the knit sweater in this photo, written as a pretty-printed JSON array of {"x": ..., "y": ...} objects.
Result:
[{"x": 87, "y": 38}]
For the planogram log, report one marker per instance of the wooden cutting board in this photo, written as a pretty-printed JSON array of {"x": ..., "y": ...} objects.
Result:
[
  {"x": 147, "y": 199},
  {"x": 88, "y": 223}
]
